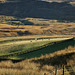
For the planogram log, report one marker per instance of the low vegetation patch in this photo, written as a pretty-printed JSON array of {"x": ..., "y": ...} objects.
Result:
[{"x": 40, "y": 66}]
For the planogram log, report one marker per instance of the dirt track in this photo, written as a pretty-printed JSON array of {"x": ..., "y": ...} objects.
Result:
[{"x": 32, "y": 41}]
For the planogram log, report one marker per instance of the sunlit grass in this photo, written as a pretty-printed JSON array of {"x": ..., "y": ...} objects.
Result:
[
  {"x": 7, "y": 49},
  {"x": 12, "y": 47},
  {"x": 16, "y": 50}
]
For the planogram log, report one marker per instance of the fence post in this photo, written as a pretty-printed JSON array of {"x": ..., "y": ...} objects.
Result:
[
  {"x": 44, "y": 73},
  {"x": 63, "y": 70},
  {"x": 56, "y": 70}
]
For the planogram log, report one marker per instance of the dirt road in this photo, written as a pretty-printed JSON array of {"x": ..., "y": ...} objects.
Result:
[{"x": 32, "y": 41}]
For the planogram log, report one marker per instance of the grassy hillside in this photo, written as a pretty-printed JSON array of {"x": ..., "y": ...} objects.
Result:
[
  {"x": 59, "y": 0},
  {"x": 42, "y": 0},
  {"x": 40, "y": 27},
  {"x": 44, "y": 64},
  {"x": 50, "y": 48},
  {"x": 39, "y": 9},
  {"x": 21, "y": 47},
  {"x": 36, "y": 17}
]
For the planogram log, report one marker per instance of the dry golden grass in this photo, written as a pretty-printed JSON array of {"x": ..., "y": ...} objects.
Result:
[
  {"x": 41, "y": 26},
  {"x": 41, "y": 65}
]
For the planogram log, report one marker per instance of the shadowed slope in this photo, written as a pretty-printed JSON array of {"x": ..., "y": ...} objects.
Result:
[
  {"x": 39, "y": 9},
  {"x": 46, "y": 50}
]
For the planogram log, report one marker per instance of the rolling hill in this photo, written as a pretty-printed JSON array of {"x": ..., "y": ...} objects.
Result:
[
  {"x": 42, "y": 0},
  {"x": 59, "y": 0},
  {"x": 38, "y": 9},
  {"x": 36, "y": 17}
]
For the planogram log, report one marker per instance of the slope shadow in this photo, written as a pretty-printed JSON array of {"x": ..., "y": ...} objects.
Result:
[
  {"x": 22, "y": 22},
  {"x": 47, "y": 50},
  {"x": 39, "y": 9},
  {"x": 44, "y": 51},
  {"x": 70, "y": 70},
  {"x": 54, "y": 61}
]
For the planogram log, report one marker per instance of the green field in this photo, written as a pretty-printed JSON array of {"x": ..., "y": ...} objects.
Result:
[
  {"x": 44, "y": 54},
  {"x": 13, "y": 48},
  {"x": 30, "y": 48},
  {"x": 46, "y": 50}
]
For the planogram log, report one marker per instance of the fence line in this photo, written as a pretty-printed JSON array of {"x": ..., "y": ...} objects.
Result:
[{"x": 66, "y": 70}]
